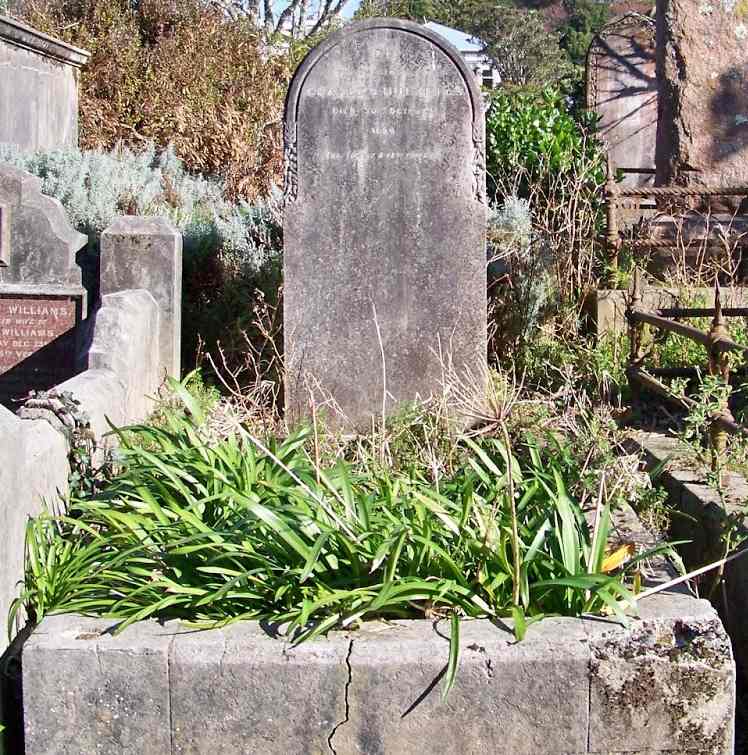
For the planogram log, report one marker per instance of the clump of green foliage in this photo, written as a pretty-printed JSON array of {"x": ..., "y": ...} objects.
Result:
[
  {"x": 539, "y": 152},
  {"x": 595, "y": 367},
  {"x": 214, "y": 531},
  {"x": 537, "y": 132},
  {"x": 585, "y": 18}
]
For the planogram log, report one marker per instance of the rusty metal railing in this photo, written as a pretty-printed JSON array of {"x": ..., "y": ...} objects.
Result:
[
  {"x": 717, "y": 343},
  {"x": 614, "y": 193}
]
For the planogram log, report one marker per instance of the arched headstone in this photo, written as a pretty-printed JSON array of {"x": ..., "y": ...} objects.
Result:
[
  {"x": 384, "y": 251},
  {"x": 42, "y": 300},
  {"x": 622, "y": 89}
]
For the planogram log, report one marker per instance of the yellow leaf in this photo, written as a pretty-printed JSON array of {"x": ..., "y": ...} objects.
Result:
[{"x": 618, "y": 557}]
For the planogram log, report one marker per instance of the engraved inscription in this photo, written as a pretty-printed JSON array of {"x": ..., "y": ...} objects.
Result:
[
  {"x": 28, "y": 325},
  {"x": 384, "y": 261}
]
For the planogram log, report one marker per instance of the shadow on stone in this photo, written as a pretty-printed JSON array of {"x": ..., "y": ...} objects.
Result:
[
  {"x": 425, "y": 693},
  {"x": 11, "y": 695}
]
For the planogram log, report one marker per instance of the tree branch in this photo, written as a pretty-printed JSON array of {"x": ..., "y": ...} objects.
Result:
[
  {"x": 328, "y": 13},
  {"x": 288, "y": 12},
  {"x": 269, "y": 18}
]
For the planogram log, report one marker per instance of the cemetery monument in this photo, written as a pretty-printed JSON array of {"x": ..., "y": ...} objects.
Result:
[{"x": 384, "y": 259}]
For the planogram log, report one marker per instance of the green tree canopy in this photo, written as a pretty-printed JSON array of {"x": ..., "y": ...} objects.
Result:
[{"x": 585, "y": 19}]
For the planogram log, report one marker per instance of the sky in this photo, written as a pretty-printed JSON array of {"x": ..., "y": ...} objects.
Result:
[
  {"x": 348, "y": 11},
  {"x": 460, "y": 40},
  {"x": 351, "y": 7}
]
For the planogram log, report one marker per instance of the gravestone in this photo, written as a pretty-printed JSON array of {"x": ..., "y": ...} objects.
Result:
[
  {"x": 622, "y": 90},
  {"x": 702, "y": 63},
  {"x": 41, "y": 297},
  {"x": 146, "y": 253},
  {"x": 38, "y": 88},
  {"x": 384, "y": 250}
]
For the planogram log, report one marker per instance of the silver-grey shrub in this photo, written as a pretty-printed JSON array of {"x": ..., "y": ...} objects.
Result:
[
  {"x": 95, "y": 187},
  {"x": 510, "y": 227}
]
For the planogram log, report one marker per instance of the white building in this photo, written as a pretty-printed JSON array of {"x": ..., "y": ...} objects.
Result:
[{"x": 470, "y": 49}]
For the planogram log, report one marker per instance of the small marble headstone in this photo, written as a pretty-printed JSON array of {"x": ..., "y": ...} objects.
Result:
[
  {"x": 41, "y": 297},
  {"x": 384, "y": 251}
]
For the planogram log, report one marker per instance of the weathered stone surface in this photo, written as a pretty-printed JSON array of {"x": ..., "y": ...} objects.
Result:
[
  {"x": 622, "y": 90},
  {"x": 43, "y": 244},
  {"x": 34, "y": 467},
  {"x": 251, "y": 693},
  {"x": 572, "y": 686},
  {"x": 91, "y": 692},
  {"x": 146, "y": 253},
  {"x": 704, "y": 524},
  {"x": 663, "y": 685},
  {"x": 41, "y": 297},
  {"x": 126, "y": 343},
  {"x": 38, "y": 88},
  {"x": 384, "y": 231},
  {"x": 124, "y": 358},
  {"x": 526, "y": 698},
  {"x": 702, "y": 64}
]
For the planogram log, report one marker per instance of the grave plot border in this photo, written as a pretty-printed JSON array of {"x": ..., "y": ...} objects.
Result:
[{"x": 577, "y": 686}]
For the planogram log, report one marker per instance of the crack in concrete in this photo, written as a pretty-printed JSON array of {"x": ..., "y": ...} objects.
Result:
[
  {"x": 590, "y": 671},
  {"x": 589, "y": 705},
  {"x": 168, "y": 692},
  {"x": 347, "y": 702},
  {"x": 224, "y": 650},
  {"x": 98, "y": 658}
]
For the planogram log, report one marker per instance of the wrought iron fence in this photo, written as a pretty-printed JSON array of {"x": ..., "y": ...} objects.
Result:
[
  {"x": 717, "y": 343},
  {"x": 615, "y": 193}
]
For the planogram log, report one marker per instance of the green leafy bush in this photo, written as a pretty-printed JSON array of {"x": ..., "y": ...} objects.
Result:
[
  {"x": 535, "y": 131},
  {"x": 212, "y": 532}
]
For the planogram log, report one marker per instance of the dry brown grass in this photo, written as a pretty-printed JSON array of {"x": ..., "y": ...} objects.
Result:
[{"x": 179, "y": 72}]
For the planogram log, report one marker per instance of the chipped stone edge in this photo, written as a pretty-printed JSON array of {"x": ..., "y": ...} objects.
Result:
[{"x": 611, "y": 651}]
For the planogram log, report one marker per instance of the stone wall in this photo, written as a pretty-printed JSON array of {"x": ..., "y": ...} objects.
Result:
[
  {"x": 702, "y": 67},
  {"x": 122, "y": 350},
  {"x": 123, "y": 372},
  {"x": 663, "y": 684},
  {"x": 707, "y": 519},
  {"x": 38, "y": 88}
]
